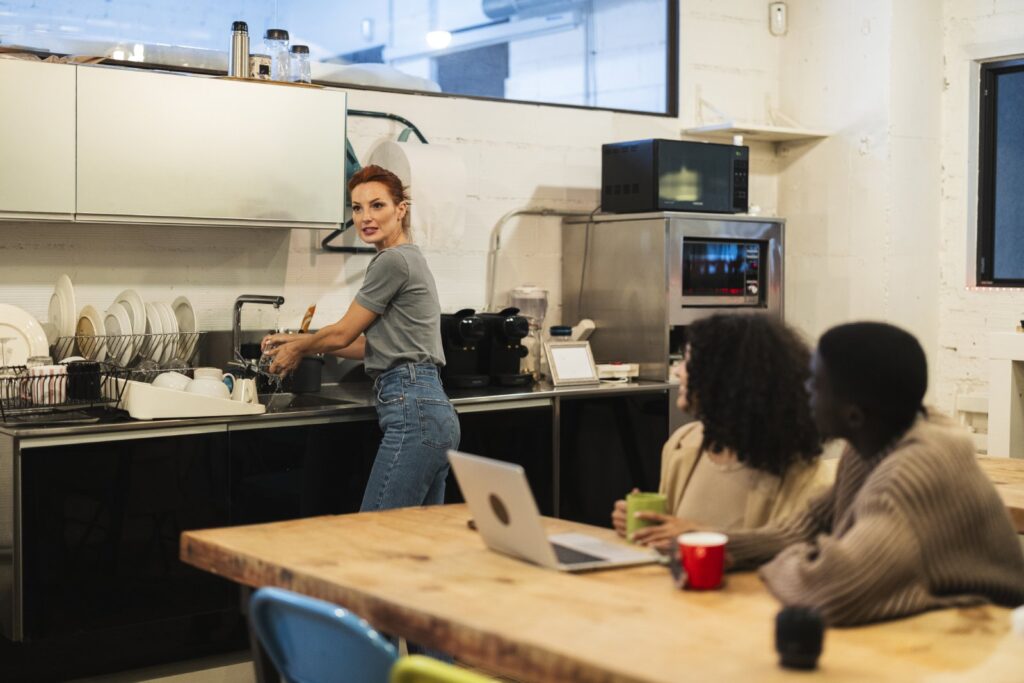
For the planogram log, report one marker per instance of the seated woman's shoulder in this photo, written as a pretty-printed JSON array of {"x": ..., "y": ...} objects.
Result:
[{"x": 689, "y": 433}]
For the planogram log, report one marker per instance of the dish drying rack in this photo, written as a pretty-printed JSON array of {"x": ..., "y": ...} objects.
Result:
[
  {"x": 50, "y": 399},
  {"x": 47, "y": 399},
  {"x": 168, "y": 351}
]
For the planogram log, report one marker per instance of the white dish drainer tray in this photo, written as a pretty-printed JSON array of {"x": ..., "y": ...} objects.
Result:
[
  {"x": 147, "y": 356},
  {"x": 146, "y": 402}
]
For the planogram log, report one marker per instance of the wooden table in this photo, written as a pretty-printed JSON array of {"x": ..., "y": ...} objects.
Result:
[
  {"x": 422, "y": 574},
  {"x": 1008, "y": 476}
]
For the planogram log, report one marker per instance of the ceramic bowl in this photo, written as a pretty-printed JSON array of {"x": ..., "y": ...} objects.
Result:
[
  {"x": 209, "y": 387},
  {"x": 172, "y": 380}
]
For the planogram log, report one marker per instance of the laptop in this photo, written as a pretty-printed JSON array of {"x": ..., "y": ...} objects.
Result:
[{"x": 507, "y": 518}]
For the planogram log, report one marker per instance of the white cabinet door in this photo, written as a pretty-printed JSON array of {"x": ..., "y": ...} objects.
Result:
[
  {"x": 37, "y": 140},
  {"x": 167, "y": 148}
]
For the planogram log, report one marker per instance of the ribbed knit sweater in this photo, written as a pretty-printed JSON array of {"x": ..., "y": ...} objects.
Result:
[{"x": 916, "y": 527}]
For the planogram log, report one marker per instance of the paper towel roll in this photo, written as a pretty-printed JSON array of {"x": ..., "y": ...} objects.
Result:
[{"x": 436, "y": 178}]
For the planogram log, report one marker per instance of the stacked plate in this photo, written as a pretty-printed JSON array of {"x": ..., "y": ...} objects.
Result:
[
  {"x": 21, "y": 336},
  {"x": 128, "y": 329}
]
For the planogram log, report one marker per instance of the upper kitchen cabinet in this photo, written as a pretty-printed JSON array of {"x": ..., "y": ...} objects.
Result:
[
  {"x": 37, "y": 140},
  {"x": 167, "y": 148}
]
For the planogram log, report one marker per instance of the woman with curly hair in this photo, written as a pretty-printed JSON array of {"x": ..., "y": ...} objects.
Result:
[{"x": 751, "y": 456}]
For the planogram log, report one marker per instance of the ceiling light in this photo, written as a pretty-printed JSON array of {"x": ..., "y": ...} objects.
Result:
[{"x": 439, "y": 40}]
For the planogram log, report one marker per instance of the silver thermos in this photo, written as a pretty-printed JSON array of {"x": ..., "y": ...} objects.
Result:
[{"x": 238, "y": 61}]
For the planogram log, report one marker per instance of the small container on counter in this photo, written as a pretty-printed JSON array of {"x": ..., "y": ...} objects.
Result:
[
  {"x": 259, "y": 67},
  {"x": 276, "y": 43},
  {"x": 299, "y": 64},
  {"x": 238, "y": 60}
]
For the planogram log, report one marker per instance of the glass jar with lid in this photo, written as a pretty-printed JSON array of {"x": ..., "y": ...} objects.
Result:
[
  {"x": 299, "y": 64},
  {"x": 275, "y": 42}
]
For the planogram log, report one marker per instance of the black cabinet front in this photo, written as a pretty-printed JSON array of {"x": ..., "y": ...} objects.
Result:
[
  {"x": 608, "y": 447},
  {"x": 302, "y": 471},
  {"x": 519, "y": 435},
  {"x": 102, "y": 583}
]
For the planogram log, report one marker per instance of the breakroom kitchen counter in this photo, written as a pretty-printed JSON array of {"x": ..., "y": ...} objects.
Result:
[
  {"x": 350, "y": 401},
  {"x": 90, "y": 513}
]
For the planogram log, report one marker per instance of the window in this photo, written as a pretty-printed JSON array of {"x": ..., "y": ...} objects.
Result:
[
  {"x": 1001, "y": 175},
  {"x": 613, "y": 54}
]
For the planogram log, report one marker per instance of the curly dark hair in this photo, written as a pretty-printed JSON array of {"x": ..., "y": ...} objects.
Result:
[{"x": 745, "y": 383}]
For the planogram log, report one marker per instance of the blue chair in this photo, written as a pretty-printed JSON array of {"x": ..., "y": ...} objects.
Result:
[{"x": 312, "y": 641}]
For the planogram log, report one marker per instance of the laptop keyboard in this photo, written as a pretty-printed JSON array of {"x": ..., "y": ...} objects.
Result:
[{"x": 570, "y": 556}]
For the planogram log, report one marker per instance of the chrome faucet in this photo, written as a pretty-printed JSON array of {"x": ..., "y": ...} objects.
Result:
[{"x": 236, "y": 319}]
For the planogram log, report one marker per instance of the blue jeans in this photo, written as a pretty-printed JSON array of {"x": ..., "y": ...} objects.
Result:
[{"x": 419, "y": 425}]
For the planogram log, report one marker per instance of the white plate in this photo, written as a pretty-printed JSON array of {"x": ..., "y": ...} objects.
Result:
[
  {"x": 91, "y": 333},
  {"x": 21, "y": 336},
  {"x": 135, "y": 308},
  {"x": 185, "y": 315},
  {"x": 170, "y": 325},
  {"x": 119, "y": 325},
  {"x": 154, "y": 346},
  {"x": 51, "y": 333},
  {"x": 63, "y": 311}
]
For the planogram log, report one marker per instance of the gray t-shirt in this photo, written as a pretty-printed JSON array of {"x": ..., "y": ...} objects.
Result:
[{"x": 399, "y": 288}]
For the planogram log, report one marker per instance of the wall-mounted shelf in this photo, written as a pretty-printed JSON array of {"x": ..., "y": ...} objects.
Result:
[
  {"x": 727, "y": 129},
  {"x": 724, "y": 126}
]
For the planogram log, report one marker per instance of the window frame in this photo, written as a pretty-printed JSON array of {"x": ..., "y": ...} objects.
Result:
[
  {"x": 987, "y": 112},
  {"x": 671, "y": 75}
]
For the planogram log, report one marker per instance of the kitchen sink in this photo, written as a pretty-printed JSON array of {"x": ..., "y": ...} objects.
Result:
[{"x": 284, "y": 402}]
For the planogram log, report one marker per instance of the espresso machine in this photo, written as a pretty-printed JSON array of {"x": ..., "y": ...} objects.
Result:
[
  {"x": 502, "y": 350},
  {"x": 462, "y": 335}
]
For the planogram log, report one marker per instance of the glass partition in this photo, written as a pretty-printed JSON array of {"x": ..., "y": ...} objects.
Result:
[{"x": 613, "y": 54}]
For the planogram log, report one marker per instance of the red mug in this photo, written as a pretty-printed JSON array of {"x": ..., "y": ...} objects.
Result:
[{"x": 702, "y": 555}]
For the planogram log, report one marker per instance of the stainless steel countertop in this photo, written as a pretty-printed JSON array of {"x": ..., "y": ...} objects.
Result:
[{"x": 358, "y": 406}]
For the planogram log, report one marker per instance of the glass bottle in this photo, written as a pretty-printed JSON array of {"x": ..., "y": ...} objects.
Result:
[
  {"x": 276, "y": 43},
  {"x": 299, "y": 60}
]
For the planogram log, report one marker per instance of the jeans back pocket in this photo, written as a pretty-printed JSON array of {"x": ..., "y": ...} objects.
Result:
[{"x": 437, "y": 422}]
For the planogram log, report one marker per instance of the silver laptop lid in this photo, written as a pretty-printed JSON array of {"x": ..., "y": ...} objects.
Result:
[{"x": 503, "y": 507}]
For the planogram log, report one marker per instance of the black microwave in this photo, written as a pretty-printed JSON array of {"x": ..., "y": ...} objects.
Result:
[{"x": 674, "y": 175}]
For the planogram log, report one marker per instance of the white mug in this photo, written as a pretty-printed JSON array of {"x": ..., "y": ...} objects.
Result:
[
  {"x": 245, "y": 391},
  {"x": 215, "y": 373}
]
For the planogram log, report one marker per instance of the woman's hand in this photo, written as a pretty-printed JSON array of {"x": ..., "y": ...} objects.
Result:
[
  {"x": 272, "y": 340},
  {"x": 287, "y": 356},
  {"x": 663, "y": 535},
  {"x": 619, "y": 515}
]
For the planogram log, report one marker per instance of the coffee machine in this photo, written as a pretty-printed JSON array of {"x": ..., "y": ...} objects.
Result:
[
  {"x": 502, "y": 350},
  {"x": 462, "y": 335}
]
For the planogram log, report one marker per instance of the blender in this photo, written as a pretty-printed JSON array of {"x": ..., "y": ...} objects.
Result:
[{"x": 532, "y": 302}]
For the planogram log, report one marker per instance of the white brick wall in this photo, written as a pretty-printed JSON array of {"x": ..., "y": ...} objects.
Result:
[
  {"x": 863, "y": 205},
  {"x": 517, "y": 156},
  {"x": 972, "y": 30}
]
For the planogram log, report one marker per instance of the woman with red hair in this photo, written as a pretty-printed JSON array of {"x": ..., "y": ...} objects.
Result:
[{"x": 393, "y": 325}]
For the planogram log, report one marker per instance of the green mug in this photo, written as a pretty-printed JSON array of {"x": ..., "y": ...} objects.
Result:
[{"x": 635, "y": 502}]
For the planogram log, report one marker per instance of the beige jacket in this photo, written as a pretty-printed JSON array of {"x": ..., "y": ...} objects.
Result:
[{"x": 773, "y": 498}]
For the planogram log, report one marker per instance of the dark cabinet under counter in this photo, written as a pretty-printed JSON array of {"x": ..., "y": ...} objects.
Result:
[
  {"x": 100, "y": 585},
  {"x": 299, "y": 469}
]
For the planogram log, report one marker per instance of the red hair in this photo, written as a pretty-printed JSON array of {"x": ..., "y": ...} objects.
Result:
[{"x": 376, "y": 174}]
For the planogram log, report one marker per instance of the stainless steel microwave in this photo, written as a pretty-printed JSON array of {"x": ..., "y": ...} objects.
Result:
[{"x": 674, "y": 175}]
